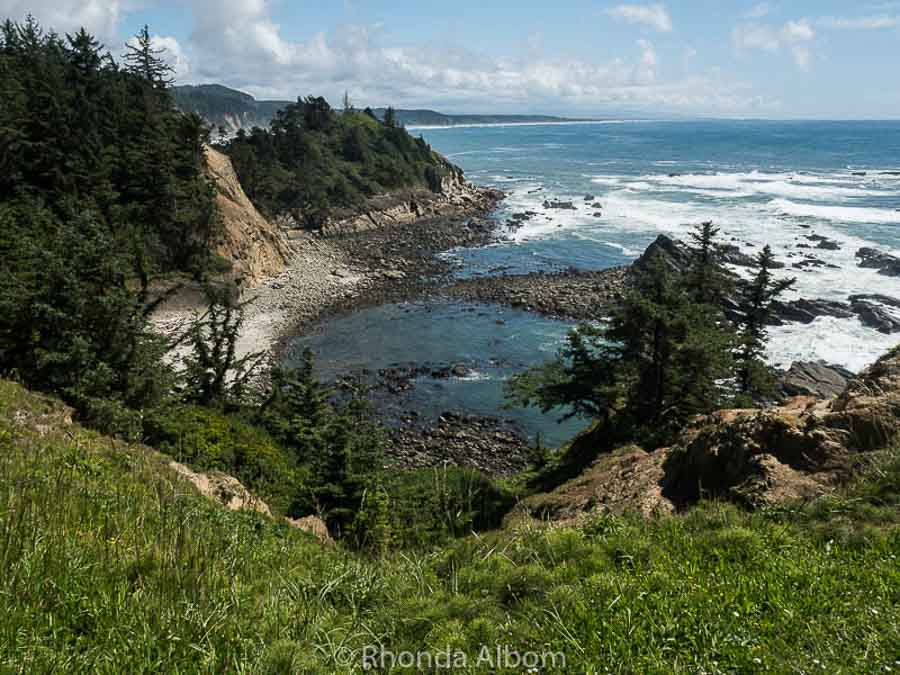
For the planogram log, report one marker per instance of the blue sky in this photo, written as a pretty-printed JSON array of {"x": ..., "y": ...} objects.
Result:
[{"x": 804, "y": 58}]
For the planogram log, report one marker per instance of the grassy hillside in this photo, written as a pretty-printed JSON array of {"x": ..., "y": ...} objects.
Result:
[{"x": 109, "y": 564}]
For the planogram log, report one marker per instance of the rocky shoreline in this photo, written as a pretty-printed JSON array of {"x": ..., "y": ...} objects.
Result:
[
  {"x": 388, "y": 252},
  {"x": 570, "y": 294}
]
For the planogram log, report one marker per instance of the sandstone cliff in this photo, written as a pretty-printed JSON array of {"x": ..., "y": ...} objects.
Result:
[
  {"x": 457, "y": 197},
  {"x": 797, "y": 451},
  {"x": 256, "y": 248}
]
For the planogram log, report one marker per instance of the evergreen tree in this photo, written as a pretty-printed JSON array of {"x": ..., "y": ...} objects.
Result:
[
  {"x": 337, "y": 440},
  {"x": 144, "y": 60},
  {"x": 707, "y": 282},
  {"x": 390, "y": 117},
  {"x": 215, "y": 375},
  {"x": 85, "y": 53},
  {"x": 657, "y": 360},
  {"x": 756, "y": 307}
]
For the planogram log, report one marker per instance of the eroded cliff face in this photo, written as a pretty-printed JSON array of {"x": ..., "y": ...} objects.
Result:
[
  {"x": 256, "y": 248},
  {"x": 457, "y": 197},
  {"x": 758, "y": 457}
]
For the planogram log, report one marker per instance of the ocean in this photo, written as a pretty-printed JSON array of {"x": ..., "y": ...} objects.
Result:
[{"x": 761, "y": 182}]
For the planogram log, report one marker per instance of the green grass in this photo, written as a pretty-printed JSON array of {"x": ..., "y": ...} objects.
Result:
[{"x": 109, "y": 564}]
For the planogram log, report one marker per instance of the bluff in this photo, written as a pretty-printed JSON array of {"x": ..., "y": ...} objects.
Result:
[
  {"x": 255, "y": 247},
  {"x": 227, "y": 108},
  {"x": 802, "y": 449}
]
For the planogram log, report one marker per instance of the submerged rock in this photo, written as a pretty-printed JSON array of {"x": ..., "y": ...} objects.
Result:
[{"x": 566, "y": 206}]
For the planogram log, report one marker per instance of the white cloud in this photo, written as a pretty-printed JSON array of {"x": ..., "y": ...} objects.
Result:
[
  {"x": 755, "y": 36},
  {"x": 793, "y": 36},
  {"x": 100, "y": 17},
  {"x": 656, "y": 16},
  {"x": 802, "y": 56},
  {"x": 798, "y": 31},
  {"x": 238, "y": 43},
  {"x": 759, "y": 11},
  {"x": 859, "y": 23},
  {"x": 173, "y": 54},
  {"x": 645, "y": 72},
  {"x": 354, "y": 58}
]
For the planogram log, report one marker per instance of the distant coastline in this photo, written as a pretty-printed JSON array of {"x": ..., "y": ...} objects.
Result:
[{"x": 560, "y": 123}]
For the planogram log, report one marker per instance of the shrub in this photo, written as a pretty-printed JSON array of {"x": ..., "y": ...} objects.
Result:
[{"x": 207, "y": 439}]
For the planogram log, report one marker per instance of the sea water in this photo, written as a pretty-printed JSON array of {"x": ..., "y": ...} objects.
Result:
[{"x": 761, "y": 182}]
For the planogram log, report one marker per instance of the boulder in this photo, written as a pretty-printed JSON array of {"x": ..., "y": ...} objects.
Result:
[
  {"x": 673, "y": 253},
  {"x": 824, "y": 242},
  {"x": 806, "y": 378},
  {"x": 885, "y": 263},
  {"x": 807, "y": 311},
  {"x": 877, "y": 297},
  {"x": 875, "y": 317},
  {"x": 312, "y": 525},
  {"x": 732, "y": 255},
  {"x": 566, "y": 206},
  {"x": 222, "y": 488}
]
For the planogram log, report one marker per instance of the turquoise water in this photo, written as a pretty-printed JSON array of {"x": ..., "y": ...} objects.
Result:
[
  {"x": 760, "y": 182},
  {"x": 491, "y": 342}
]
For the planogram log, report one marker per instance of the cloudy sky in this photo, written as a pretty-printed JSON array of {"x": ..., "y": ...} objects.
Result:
[{"x": 779, "y": 59}]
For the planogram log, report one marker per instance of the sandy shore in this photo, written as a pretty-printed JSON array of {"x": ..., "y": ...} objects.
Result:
[
  {"x": 339, "y": 273},
  {"x": 320, "y": 275}
]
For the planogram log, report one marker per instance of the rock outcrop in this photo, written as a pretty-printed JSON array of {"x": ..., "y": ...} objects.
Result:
[
  {"x": 885, "y": 263},
  {"x": 223, "y": 489},
  {"x": 230, "y": 492},
  {"x": 794, "y": 452},
  {"x": 256, "y": 248},
  {"x": 867, "y": 308},
  {"x": 806, "y": 378},
  {"x": 456, "y": 197}
]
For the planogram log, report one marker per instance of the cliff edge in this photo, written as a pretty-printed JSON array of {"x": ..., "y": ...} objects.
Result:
[
  {"x": 255, "y": 247},
  {"x": 797, "y": 451}
]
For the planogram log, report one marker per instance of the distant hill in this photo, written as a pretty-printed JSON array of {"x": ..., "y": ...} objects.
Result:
[
  {"x": 233, "y": 110},
  {"x": 430, "y": 118},
  {"x": 228, "y": 108}
]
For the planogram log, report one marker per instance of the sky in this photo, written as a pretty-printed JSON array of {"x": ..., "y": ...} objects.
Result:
[{"x": 800, "y": 59}]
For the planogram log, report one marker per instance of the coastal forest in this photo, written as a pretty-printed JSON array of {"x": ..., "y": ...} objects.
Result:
[
  {"x": 111, "y": 562},
  {"x": 313, "y": 159}
]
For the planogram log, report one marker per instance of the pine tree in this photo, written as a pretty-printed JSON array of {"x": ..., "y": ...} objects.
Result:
[
  {"x": 215, "y": 375},
  {"x": 390, "y": 117},
  {"x": 658, "y": 360},
  {"x": 144, "y": 60},
  {"x": 756, "y": 308},
  {"x": 85, "y": 52},
  {"x": 706, "y": 280}
]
